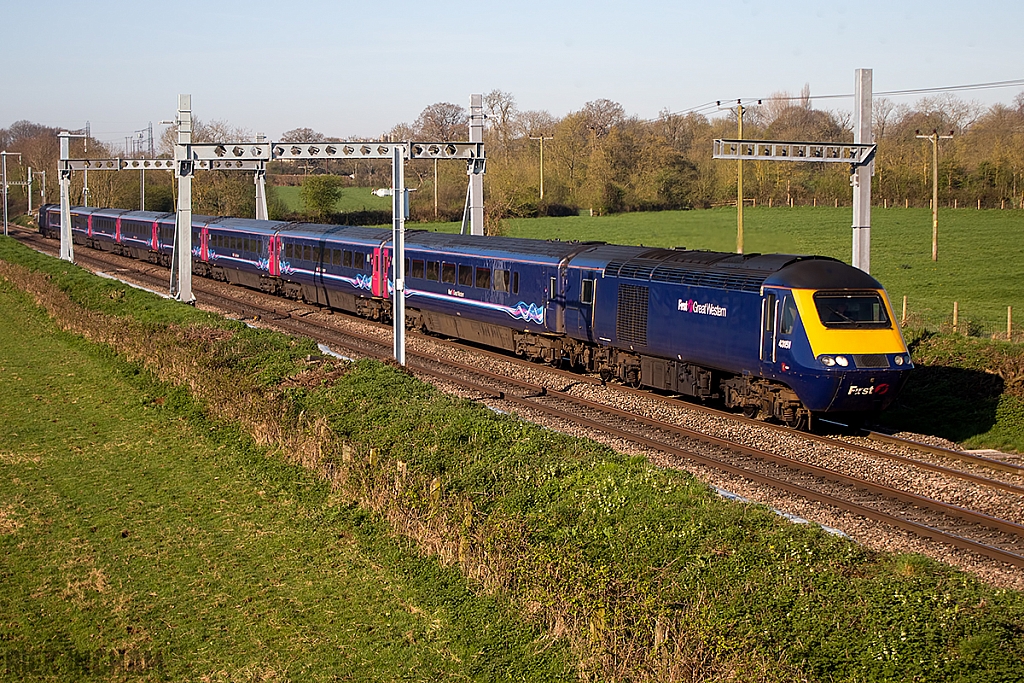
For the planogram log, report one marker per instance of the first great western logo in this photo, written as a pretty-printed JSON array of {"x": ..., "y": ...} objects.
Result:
[{"x": 691, "y": 306}]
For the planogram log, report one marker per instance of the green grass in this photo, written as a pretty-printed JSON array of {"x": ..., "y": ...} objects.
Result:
[
  {"x": 981, "y": 253},
  {"x": 138, "y": 538},
  {"x": 134, "y": 526},
  {"x": 965, "y": 389},
  {"x": 352, "y": 199}
]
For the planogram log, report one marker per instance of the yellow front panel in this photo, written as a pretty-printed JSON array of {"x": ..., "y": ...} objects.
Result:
[{"x": 833, "y": 341}]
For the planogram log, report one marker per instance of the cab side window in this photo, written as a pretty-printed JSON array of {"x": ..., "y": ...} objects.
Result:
[
  {"x": 788, "y": 315},
  {"x": 587, "y": 294}
]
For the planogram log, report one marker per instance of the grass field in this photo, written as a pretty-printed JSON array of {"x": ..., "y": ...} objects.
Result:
[
  {"x": 145, "y": 535},
  {"x": 352, "y": 199}
]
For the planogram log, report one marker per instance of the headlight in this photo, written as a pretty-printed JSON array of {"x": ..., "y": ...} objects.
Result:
[
  {"x": 842, "y": 361},
  {"x": 899, "y": 360},
  {"x": 827, "y": 361}
]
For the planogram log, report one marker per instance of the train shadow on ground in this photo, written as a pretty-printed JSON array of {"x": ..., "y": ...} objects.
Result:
[{"x": 952, "y": 403}]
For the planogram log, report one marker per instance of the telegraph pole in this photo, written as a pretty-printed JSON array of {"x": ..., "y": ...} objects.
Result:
[
  {"x": 542, "y": 139},
  {"x": 935, "y": 137},
  {"x": 739, "y": 175}
]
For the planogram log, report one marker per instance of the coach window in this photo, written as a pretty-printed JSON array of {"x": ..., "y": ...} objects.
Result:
[
  {"x": 788, "y": 315},
  {"x": 515, "y": 282},
  {"x": 465, "y": 276},
  {"x": 336, "y": 257},
  {"x": 587, "y": 295},
  {"x": 501, "y": 280},
  {"x": 483, "y": 278},
  {"x": 307, "y": 252},
  {"x": 408, "y": 267},
  {"x": 448, "y": 273},
  {"x": 347, "y": 259},
  {"x": 417, "y": 268},
  {"x": 358, "y": 260},
  {"x": 434, "y": 270}
]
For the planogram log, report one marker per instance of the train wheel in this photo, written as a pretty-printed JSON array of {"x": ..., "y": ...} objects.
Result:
[
  {"x": 751, "y": 412},
  {"x": 796, "y": 421}
]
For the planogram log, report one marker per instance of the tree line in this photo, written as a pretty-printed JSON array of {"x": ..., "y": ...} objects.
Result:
[{"x": 597, "y": 159}]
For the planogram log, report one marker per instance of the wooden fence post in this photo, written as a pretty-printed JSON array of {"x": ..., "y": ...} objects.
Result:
[
  {"x": 1009, "y": 323},
  {"x": 956, "y": 315},
  {"x": 903, "y": 320}
]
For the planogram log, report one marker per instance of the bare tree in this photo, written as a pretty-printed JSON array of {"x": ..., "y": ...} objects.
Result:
[
  {"x": 882, "y": 113},
  {"x": 601, "y": 115},
  {"x": 442, "y": 122},
  {"x": 502, "y": 120},
  {"x": 302, "y": 135}
]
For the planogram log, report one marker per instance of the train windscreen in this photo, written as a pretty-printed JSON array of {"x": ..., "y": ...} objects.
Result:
[{"x": 851, "y": 310}]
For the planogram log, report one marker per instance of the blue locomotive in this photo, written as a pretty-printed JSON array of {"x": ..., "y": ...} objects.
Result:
[{"x": 777, "y": 336}]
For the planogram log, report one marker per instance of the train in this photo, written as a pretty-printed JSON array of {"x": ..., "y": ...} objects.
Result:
[{"x": 783, "y": 337}]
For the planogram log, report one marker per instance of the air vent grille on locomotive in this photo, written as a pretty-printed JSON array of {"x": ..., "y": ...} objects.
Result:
[
  {"x": 631, "y": 324},
  {"x": 871, "y": 360}
]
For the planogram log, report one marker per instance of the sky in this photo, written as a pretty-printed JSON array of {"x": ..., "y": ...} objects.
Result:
[{"x": 356, "y": 68}]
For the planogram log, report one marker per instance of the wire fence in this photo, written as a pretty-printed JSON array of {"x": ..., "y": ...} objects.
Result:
[{"x": 960, "y": 321}]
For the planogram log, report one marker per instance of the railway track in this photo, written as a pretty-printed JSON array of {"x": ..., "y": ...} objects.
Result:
[{"x": 983, "y": 531}]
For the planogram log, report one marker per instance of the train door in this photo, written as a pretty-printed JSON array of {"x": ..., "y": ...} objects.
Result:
[
  {"x": 274, "y": 255},
  {"x": 579, "y": 308},
  {"x": 778, "y": 328},
  {"x": 381, "y": 269},
  {"x": 204, "y": 243},
  {"x": 554, "y": 316},
  {"x": 770, "y": 302}
]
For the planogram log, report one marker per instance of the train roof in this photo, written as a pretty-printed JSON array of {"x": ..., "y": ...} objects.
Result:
[
  {"x": 513, "y": 248},
  {"x": 818, "y": 272},
  {"x": 320, "y": 231},
  {"x": 123, "y": 213},
  {"x": 243, "y": 224},
  {"x": 724, "y": 270}
]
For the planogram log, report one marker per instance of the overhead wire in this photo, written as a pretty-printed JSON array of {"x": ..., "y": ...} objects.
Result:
[{"x": 720, "y": 104}]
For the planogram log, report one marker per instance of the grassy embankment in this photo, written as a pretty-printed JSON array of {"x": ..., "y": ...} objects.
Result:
[{"x": 152, "y": 510}]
